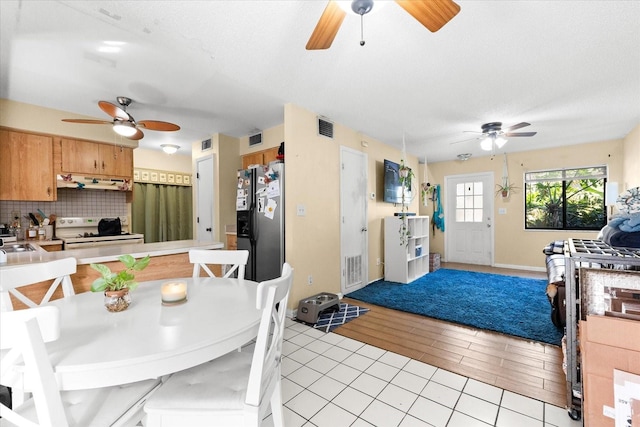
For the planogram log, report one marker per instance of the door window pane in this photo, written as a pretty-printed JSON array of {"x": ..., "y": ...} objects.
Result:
[{"x": 469, "y": 205}]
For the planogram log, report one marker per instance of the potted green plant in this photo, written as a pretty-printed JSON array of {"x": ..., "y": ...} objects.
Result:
[
  {"x": 116, "y": 286},
  {"x": 505, "y": 189},
  {"x": 406, "y": 175}
]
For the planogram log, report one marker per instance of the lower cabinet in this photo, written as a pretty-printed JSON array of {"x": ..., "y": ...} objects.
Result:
[
  {"x": 406, "y": 263},
  {"x": 232, "y": 242}
]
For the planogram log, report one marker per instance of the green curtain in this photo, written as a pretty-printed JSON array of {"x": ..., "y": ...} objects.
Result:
[{"x": 162, "y": 212}]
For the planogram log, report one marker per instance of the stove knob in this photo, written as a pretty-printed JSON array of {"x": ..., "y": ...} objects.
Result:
[{"x": 62, "y": 221}]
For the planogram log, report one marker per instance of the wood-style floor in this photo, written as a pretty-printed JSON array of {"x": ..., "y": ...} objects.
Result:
[{"x": 529, "y": 368}]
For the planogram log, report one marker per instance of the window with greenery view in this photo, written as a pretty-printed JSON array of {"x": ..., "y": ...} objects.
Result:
[{"x": 566, "y": 199}]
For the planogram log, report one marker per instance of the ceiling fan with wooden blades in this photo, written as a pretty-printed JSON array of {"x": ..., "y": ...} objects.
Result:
[
  {"x": 433, "y": 14},
  {"x": 493, "y": 136},
  {"x": 123, "y": 123}
]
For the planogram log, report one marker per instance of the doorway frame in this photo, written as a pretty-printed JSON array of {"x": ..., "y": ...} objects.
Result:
[
  {"x": 365, "y": 248},
  {"x": 450, "y": 213},
  {"x": 196, "y": 199}
]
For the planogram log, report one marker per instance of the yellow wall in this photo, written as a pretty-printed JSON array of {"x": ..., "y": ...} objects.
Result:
[
  {"x": 313, "y": 179},
  {"x": 226, "y": 162},
  {"x": 154, "y": 159},
  {"x": 631, "y": 162},
  {"x": 515, "y": 247},
  {"x": 271, "y": 137}
]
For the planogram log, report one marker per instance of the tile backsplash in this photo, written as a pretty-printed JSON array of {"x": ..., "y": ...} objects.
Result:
[{"x": 71, "y": 202}]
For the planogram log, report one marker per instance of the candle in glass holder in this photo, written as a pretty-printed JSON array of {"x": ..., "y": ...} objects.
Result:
[{"x": 174, "y": 293}]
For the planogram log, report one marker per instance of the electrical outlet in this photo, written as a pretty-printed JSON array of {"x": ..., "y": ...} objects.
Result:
[
  {"x": 310, "y": 280},
  {"x": 378, "y": 261}
]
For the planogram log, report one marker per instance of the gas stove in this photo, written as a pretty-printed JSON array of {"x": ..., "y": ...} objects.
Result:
[{"x": 82, "y": 232}]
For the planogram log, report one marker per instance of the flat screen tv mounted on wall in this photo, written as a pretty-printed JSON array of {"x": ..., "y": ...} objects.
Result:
[{"x": 392, "y": 187}]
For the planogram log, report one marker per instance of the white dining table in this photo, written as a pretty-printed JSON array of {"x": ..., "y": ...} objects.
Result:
[{"x": 98, "y": 348}]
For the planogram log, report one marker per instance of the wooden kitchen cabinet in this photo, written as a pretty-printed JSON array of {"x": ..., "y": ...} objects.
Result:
[
  {"x": 260, "y": 157},
  {"x": 232, "y": 242},
  {"x": 118, "y": 160},
  {"x": 27, "y": 167},
  {"x": 95, "y": 159}
]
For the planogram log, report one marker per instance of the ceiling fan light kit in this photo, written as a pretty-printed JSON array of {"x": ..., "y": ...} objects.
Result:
[
  {"x": 486, "y": 144},
  {"x": 124, "y": 128},
  {"x": 170, "y": 148}
]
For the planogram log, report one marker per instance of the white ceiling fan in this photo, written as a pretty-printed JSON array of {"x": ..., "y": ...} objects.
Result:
[{"x": 493, "y": 136}]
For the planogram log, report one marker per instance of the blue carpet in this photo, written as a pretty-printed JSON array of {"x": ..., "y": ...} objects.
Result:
[{"x": 507, "y": 304}]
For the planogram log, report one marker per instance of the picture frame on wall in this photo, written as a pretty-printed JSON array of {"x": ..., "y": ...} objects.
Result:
[
  {"x": 163, "y": 177},
  {"x": 178, "y": 179},
  {"x": 171, "y": 178},
  {"x": 145, "y": 175},
  {"x": 136, "y": 175},
  {"x": 187, "y": 179},
  {"x": 154, "y": 176}
]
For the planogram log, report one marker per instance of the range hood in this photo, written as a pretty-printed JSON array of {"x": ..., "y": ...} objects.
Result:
[{"x": 91, "y": 183}]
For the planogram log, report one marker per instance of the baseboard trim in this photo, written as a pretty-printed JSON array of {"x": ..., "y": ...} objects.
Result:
[{"x": 520, "y": 267}]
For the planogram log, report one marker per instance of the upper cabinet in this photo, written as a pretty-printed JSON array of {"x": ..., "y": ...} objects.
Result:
[
  {"x": 94, "y": 159},
  {"x": 27, "y": 167},
  {"x": 260, "y": 157}
]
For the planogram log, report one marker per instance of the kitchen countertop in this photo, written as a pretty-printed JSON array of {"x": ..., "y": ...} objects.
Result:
[{"x": 108, "y": 253}]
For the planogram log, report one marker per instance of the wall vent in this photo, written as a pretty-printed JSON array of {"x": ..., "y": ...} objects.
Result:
[
  {"x": 353, "y": 270},
  {"x": 255, "y": 139},
  {"x": 206, "y": 145},
  {"x": 325, "y": 127}
]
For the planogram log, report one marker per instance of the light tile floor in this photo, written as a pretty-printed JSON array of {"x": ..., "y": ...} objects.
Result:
[{"x": 333, "y": 381}]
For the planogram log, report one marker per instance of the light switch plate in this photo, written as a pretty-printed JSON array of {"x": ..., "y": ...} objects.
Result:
[
  {"x": 502, "y": 211},
  {"x": 301, "y": 210}
]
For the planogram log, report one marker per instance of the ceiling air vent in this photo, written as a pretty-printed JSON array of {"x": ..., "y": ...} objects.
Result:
[
  {"x": 325, "y": 127},
  {"x": 255, "y": 139}
]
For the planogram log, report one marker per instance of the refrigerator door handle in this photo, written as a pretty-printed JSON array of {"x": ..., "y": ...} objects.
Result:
[{"x": 252, "y": 224}]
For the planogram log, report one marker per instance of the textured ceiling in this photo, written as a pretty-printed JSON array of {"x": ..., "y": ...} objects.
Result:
[{"x": 570, "y": 68}]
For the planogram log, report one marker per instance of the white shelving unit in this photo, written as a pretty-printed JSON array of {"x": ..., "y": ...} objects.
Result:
[{"x": 405, "y": 263}]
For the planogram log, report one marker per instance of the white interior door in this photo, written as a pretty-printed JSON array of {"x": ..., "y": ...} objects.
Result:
[
  {"x": 469, "y": 219},
  {"x": 353, "y": 214},
  {"x": 204, "y": 200}
]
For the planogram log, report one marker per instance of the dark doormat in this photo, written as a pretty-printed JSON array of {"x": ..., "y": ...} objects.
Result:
[{"x": 330, "y": 320}]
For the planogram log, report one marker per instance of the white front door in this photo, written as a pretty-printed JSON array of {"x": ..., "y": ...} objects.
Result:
[
  {"x": 469, "y": 219},
  {"x": 353, "y": 224},
  {"x": 204, "y": 200}
]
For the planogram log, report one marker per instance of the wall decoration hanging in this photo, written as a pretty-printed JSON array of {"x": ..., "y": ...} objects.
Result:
[{"x": 505, "y": 187}]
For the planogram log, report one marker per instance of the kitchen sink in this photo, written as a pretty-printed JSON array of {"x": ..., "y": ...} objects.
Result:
[{"x": 16, "y": 248}]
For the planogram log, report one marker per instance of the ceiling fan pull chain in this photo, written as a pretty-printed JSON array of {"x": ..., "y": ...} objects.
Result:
[{"x": 361, "y": 30}]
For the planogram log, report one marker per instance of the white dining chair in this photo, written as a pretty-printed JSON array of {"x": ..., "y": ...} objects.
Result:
[
  {"x": 23, "y": 333},
  {"x": 236, "y": 389},
  {"x": 236, "y": 260},
  {"x": 14, "y": 277}
]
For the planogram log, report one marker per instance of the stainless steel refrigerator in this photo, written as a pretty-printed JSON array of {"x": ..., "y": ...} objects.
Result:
[{"x": 260, "y": 219}]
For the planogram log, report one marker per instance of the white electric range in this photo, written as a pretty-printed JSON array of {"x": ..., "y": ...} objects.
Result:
[{"x": 82, "y": 232}]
